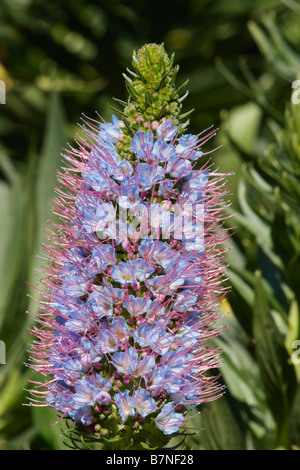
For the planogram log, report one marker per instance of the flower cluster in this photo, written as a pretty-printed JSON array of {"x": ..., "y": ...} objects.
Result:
[{"x": 133, "y": 281}]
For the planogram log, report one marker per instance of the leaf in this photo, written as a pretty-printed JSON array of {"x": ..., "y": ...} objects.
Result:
[
  {"x": 277, "y": 373},
  {"x": 294, "y": 424},
  {"x": 275, "y": 48},
  {"x": 49, "y": 162},
  {"x": 54, "y": 141},
  {"x": 287, "y": 244},
  {"x": 243, "y": 124},
  {"x": 146, "y": 447},
  {"x": 223, "y": 425},
  {"x": 112, "y": 440},
  {"x": 11, "y": 244},
  {"x": 240, "y": 373},
  {"x": 44, "y": 419}
]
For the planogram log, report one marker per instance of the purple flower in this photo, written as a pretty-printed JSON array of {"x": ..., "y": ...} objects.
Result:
[
  {"x": 148, "y": 175},
  {"x": 166, "y": 130},
  {"x": 108, "y": 341},
  {"x": 169, "y": 421},
  {"x": 90, "y": 390},
  {"x": 130, "y": 292},
  {"x": 143, "y": 403},
  {"x": 137, "y": 305},
  {"x": 100, "y": 303},
  {"x": 110, "y": 131},
  {"x": 156, "y": 337},
  {"x": 142, "y": 144},
  {"x": 140, "y": 402},
  {"x": 134, "y": 271},
  {"x": 125, "y": 361},
  {"x": 163, "y": 151},
  {"x": 124, "y": 404}
]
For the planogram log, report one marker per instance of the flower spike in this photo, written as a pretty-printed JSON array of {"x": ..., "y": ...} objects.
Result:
[{"x": 134, "y": 272}]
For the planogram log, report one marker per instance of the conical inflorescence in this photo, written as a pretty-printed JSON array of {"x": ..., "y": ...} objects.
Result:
[{"x": 135, "y": 271}]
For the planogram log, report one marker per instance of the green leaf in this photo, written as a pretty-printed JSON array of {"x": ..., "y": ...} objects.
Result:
[
  {"x": 145, "y": 446},
  {"x": 44, "y": 419},
  {"x": 223, "y": 426},
  {"x": 274, "y": 47},
  {"x": 242, "y": 125},
  {"x": 49, "y": 161},
  {"x": 12, "y": 210},
  {"x": 277, "y": 373},
  {"x": 54, "y": 141},
  {"x": 112, "y": 440},
  {"x": 294, "y": 424}
]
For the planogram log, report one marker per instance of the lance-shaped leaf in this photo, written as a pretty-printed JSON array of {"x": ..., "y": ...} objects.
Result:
[
  {"x": 223, "y": 425},
  {"x": 277, "y": 373}
]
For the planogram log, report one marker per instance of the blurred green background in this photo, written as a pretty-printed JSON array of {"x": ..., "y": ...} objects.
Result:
[{"x": 61, "y": 59}]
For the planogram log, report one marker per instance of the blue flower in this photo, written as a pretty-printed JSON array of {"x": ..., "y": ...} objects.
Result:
[
  {"x": 148, "y": 175},
  {"x": 90, "y": 348},
  {"x": 142, "y": 144},
  {"x": 158, "y": 251},
  {"x": 125, "y": 361},
  {"x": 74, "y": 284},
  {"x": 120, "y": 328},
  {"x": 90, "y": 390},
  {"x": 134, "y": 271},
  {"x": 128, "y": 196},
  {"x": 123, "y": 171},
  {"x": 166, "y": 130},
  {"x": 187, "y": 147},
  {"x": 83, "y": 415},
  {"x": 105, "y": 159},
  {"x": 102, "y": 257},
  {"x": 143, "y": 402},
  {"x": 156, "y": 337},
  {"x": 178, "y": 167},
  {"x": 125, "y": 404},
  {"x": 194, "y": 187},
  {"x": 163, "y": 151},
  {"x": 98, "y": 180},
  {"x": 100, "y": 304},
  {"x": 108, "y": 341},
  {"x": 142, "y": 366},
  {"x": 137, "y": 305},
  {"x": 110, "y": 131},
  {"x": 165, "y": 187},
  {"x": 167, "y": 420},
  {"x": 184, "y": 300}
]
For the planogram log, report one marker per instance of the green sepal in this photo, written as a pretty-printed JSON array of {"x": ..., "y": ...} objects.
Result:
[
  {"x": 146, "y": 447},
  {"x": 148, "y": 56},
  {"x": 176, "y": 93},
  {"x": 112, "y": 440}
]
